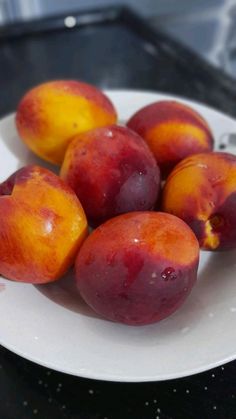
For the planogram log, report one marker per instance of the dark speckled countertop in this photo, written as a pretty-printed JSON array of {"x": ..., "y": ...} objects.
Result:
[{"x": 114, "y": 50}]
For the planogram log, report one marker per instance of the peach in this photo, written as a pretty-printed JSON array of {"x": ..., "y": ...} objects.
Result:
[
  {"x": 112, "y": 171},
  {"x": 49, "y": 115},
  {"x": 138, "y": 268},
  {"x": 42, "y": 226},
  {"x": 202, "y": 191},
  {"x": 173, "y": 131}
]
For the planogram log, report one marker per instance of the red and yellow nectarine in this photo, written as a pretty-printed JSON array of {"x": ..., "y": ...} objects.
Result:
[
  {"x": 173, "y": 131},
  {"x": 138, "y": 268},
  {"x": 42, "y": 226},
  {"x": 49, "y": 115},
  {"x": 202, "y": 191}
]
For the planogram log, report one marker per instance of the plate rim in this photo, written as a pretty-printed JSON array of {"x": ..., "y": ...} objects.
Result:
[{"x": 116, "y": 377}]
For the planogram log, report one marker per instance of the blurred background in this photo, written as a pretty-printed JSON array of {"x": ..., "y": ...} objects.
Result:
[{"x": 206, "y": 26}]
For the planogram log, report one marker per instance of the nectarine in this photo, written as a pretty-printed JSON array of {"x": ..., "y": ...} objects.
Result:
[
  {"x": 173, "y": 131},
  {"x": 42, "y": 226},
  {"x": 202, "y": 191},
  {"x": 138, "y": 268},
  {"x": 112, "y": 171},
  {"x": 49, "y": 115}
]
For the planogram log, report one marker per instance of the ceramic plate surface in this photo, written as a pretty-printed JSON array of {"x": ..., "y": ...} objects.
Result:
[{"x": 51, "y": 326}]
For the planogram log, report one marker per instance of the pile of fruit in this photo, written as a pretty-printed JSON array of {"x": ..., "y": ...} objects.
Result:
[{"x": 153, "y": 191}]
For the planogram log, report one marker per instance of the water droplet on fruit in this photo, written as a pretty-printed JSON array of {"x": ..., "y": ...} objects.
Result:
[
  {"x": 110, "y": 259},
  {"x": 216, "y": 180},
  {"x": 169, "y": 274},
  {"x": 142, "y": 171},
  {"x": 110, "y": 134},
  {"x": 48, "y": 227},
  {"x": 202, "y": 165}
]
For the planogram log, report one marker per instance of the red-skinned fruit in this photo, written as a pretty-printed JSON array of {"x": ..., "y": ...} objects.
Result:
[
  {"x": 138, "y": 268},
  {"x": 173, "y": 131},
  {"x": 112, "y": 171}
]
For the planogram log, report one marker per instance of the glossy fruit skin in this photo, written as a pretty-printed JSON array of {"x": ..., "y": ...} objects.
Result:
[
  {"x": 112, "y": 171},
  {"x": 138, "y": 268},
  {"x": 42, "y": 226},
  {"x": 52, "y": 113},
  {"x": 173, "y": 131},
  {"x": 202, "y": 191}
]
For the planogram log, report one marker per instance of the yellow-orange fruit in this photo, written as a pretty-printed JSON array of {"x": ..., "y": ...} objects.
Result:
[
  {"x": 49, "y": 116},
  {"x": 42, "y": 226}
]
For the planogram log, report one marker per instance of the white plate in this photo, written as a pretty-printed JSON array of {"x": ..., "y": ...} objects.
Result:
[{"x": 51, "y": 326}]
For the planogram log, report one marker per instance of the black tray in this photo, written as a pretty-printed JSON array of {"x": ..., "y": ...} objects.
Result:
[{"x": 112, "y": 48}]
